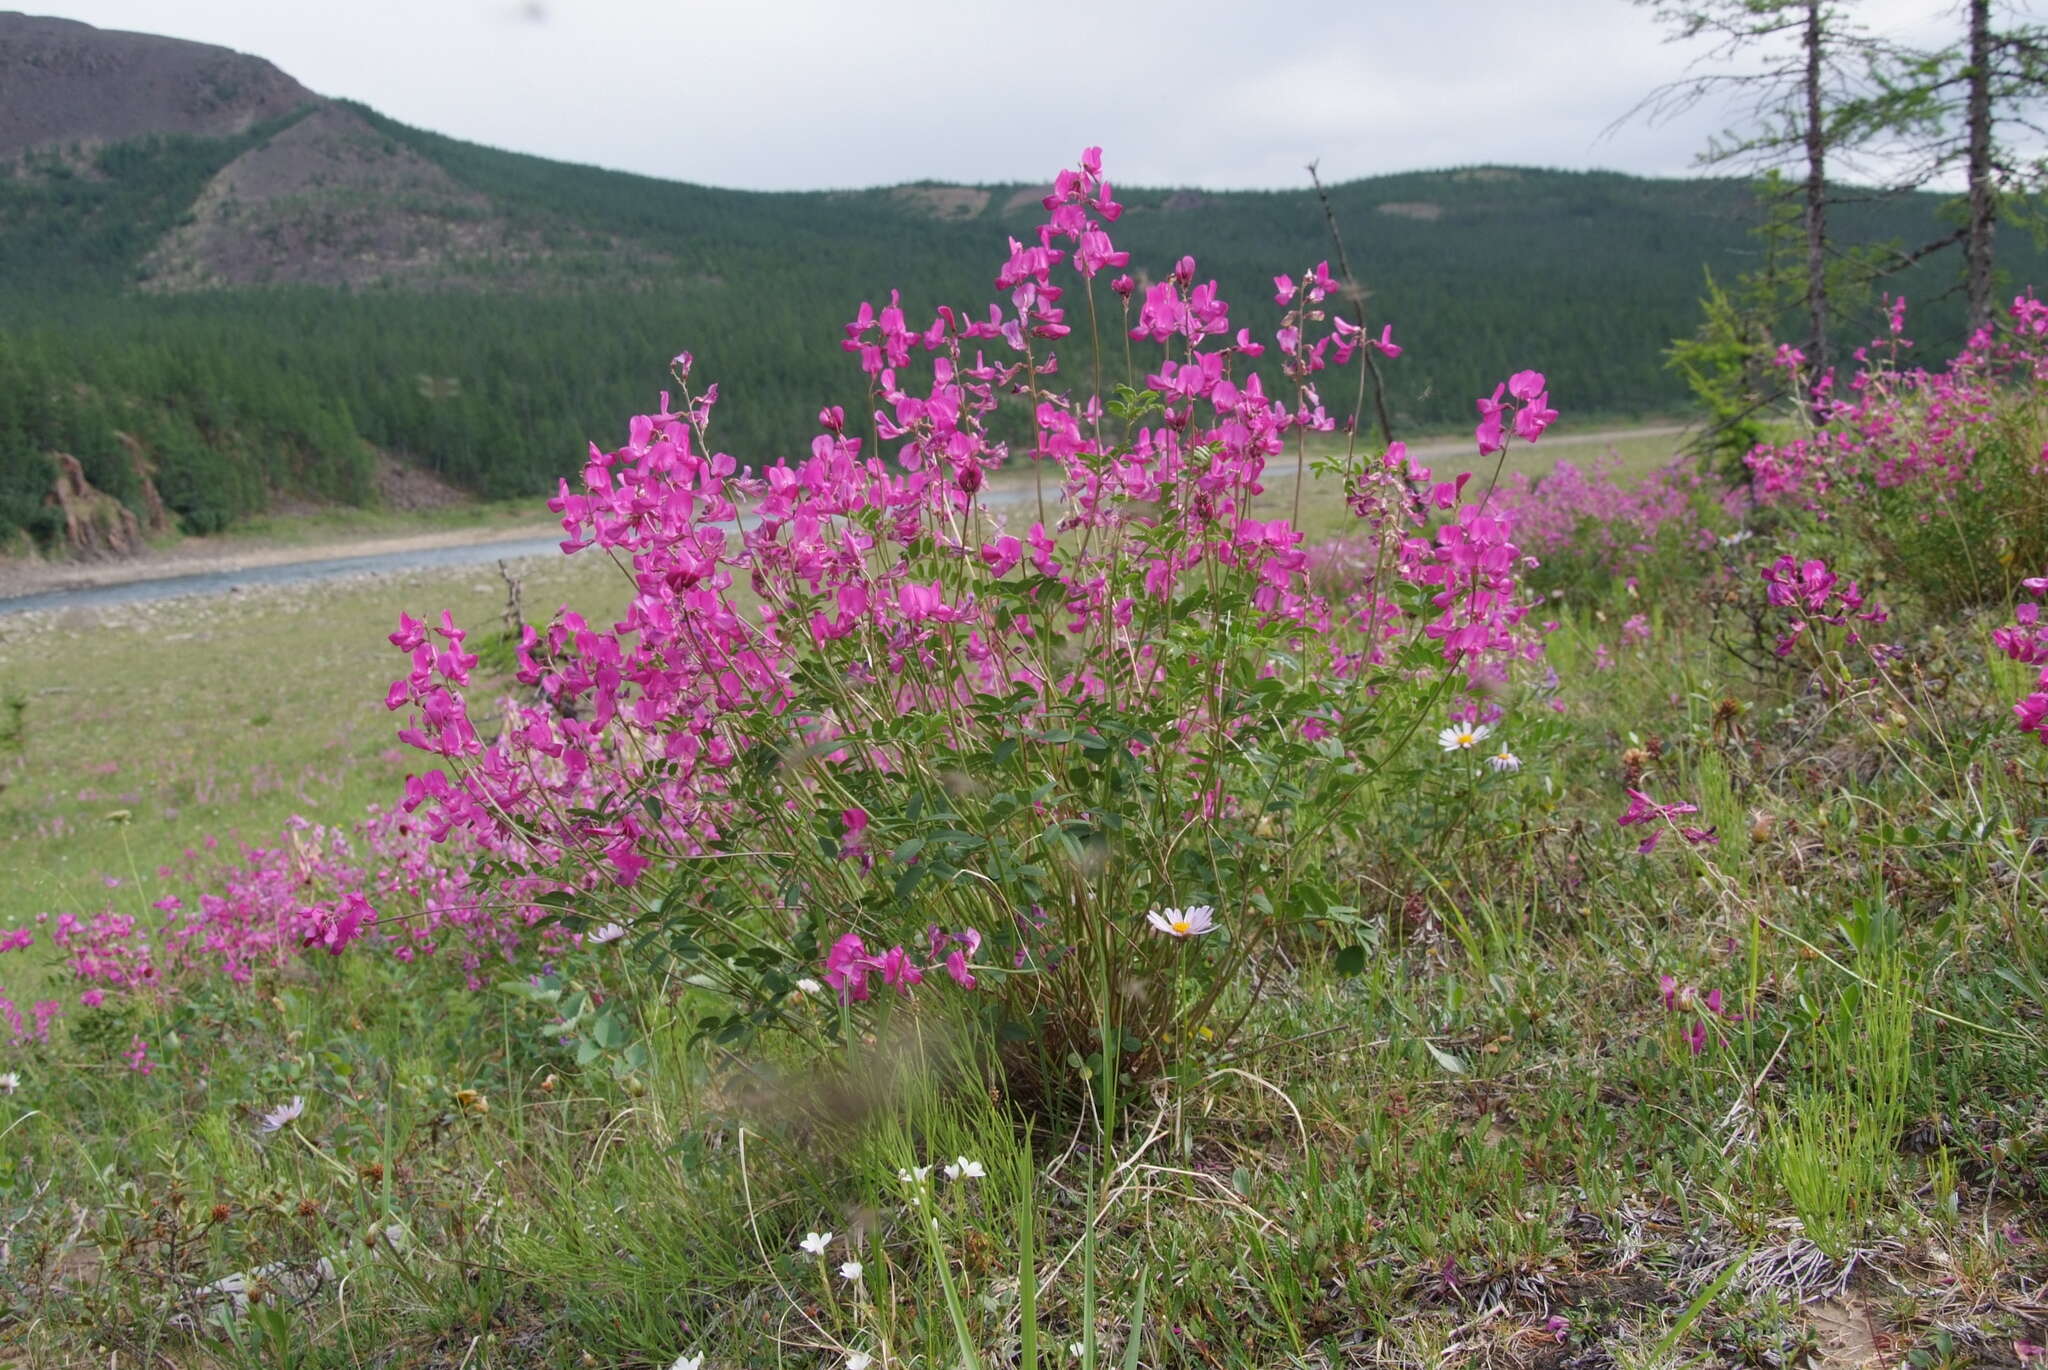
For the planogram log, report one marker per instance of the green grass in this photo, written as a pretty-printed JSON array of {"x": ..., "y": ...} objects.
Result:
[
  {"x": 218, "y": 716},
  {"x": 1323, "y": 512},
  {"x": 341, "y": 523}
]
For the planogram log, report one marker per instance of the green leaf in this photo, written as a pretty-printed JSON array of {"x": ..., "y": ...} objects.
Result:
[
  {"x": 1450, "y": 1064},
  {"x": 1351, "y": 961}
]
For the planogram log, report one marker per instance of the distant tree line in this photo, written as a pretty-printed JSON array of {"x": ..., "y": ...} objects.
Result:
[{"x": 234, "y": 397}]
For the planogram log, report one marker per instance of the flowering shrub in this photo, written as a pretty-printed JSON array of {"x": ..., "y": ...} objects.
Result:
[
  {"x": 1938, "y": 472},
  {"x": 866, "y": 699},
  {"x": 312, "y": 893}
]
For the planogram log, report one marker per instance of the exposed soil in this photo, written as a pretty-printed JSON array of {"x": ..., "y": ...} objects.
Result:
[
  {"x": 67, "y": 82},
  {"x": 944, "y": 202},
  {"x": 400, "y": 486},
  {"x": 1426, "y": 210}
]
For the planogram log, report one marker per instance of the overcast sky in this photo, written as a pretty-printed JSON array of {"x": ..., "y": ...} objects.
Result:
[{"x": 775, "y": 94}]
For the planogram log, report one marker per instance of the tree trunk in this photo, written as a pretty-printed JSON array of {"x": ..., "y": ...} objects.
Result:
[
  {"x": 1977, "y": 244},
  {"x": 1816, "y": 200}
]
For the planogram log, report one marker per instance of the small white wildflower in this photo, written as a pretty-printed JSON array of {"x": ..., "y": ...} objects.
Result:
[
  {"x": 1504, "y": 760},
  {"x": 688, "y": 1363},
  {"x": 1076, "y": 1350},
  {"x": 10, "y": 1082},
  {"x": 608, "y": 932},
  {"x": 914, "y": 1174},
  {"x": 282, "y": 1114},
  {"x": 1189, "y": 922},
  {"x": 850, "y": 1270},
  {"x": 964, "y": 1169},
  {"x": 809, "y": 986},
  {"x": 1463, "y": 737},
  {"x": 814, "y": 1243},
  {"x": 858, "y": 1360},
  {"x": 1736, "y": 538}
]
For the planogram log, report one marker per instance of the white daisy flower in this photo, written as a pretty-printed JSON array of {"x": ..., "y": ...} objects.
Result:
[
  {"x": 814, "y": 1243},
  {"x": 1192, "y": 922},
  {"x": 964, "y": 1169},
  {"x": 1504, "y": 760},
  {"x": 282, "y": 1114},
  {"x": 1463, "y": 737},
  {"x": 608, "y": 932}
]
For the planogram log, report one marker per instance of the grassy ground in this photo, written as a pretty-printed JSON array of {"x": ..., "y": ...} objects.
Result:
[
  {"x": 149, "y": 726},
  {"x": 337, "y": 524},
  {"x": 1492, "y": 1147}
]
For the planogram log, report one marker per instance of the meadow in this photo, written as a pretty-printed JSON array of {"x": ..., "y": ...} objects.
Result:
[{"x": 1593, "y": 920}]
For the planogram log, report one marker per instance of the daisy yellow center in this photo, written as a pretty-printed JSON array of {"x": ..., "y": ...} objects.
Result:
[
  {"x": 1466, "y": 739},
  {"x": 1180, "y": 925}
]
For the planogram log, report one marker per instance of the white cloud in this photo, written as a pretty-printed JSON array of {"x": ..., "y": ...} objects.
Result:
[{"x": 803, "y": 93}]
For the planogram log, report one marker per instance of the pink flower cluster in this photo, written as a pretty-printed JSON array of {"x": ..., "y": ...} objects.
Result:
[
  {"x": 1902, "y": 427},
  {"x": 1700, "y": 1007},
  {"x": 33, "y": 1028},
  {"x": 1644, "y": 810},
  {"x": 316, "y": 890},
  {"x": 2026, "y": 641},
  {"x": 1591, "y": 515},
  {"x": 848, "y": 964},
  {"x": 1529, "y": 418},
  {"x": 1810, "y": 588}
]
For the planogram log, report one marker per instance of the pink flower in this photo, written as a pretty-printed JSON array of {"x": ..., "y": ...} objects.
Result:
[
  {"x": 1642, "y": 809},
  {"x": 847, "y": 966},
  {"x": 1001, "y": 555},
  {"x": 1488, "y": 433},
  {"x": 334, "y": 928},
  {"x": 1534, "y": 416},
  {"x": 898, "y": 970}
]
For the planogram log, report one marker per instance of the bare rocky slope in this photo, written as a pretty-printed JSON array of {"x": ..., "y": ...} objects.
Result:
[
  {"x": 319, "y": 197},
  {"x": 64, "y": 82}
]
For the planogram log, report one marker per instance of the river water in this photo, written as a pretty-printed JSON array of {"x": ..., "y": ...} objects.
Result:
[
  {"x": 328, "y": 568},
  {"x": 284, "y": 573}
]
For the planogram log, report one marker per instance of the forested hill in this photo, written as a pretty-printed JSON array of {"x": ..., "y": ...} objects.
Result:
[{"x": 221, "y": 289}]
